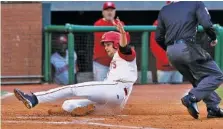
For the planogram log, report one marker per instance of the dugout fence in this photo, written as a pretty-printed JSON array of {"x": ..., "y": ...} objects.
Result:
[{"x": 143, "y": 32}]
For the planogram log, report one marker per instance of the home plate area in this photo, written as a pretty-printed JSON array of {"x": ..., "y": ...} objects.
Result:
[{"x": 149, "y": 107}]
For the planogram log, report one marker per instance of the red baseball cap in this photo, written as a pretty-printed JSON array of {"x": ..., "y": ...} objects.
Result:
[{"x": 109, "y": 5}]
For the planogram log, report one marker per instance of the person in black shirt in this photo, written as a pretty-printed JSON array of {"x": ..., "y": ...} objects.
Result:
[{"x": 176, "y": 33}]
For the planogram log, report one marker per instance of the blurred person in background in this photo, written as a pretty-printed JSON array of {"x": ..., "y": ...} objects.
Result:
[
  {"x": 165, "y": 72},
  {"x": 101, "y": 60},
  {"x": 59, "y": 61}
]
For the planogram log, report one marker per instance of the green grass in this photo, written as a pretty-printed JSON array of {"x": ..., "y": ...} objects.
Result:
[{"x": 220, "y": 92}]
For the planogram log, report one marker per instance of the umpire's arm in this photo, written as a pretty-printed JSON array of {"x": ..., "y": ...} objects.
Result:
[
  {"x": 205, "y": 20},
  {"x": 160, "y": 32}
]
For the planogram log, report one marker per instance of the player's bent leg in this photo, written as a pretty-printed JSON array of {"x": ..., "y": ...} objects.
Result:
[
  {"x": 107, "y": 96},
  {"x": 70, "y": 105},
  {"x": 79, "y": 107}
]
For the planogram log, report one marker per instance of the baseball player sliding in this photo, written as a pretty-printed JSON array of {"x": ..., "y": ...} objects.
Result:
[{"x": 114, "y": 90}]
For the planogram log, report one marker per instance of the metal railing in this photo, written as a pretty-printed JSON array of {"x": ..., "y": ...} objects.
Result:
[{"x": 144, "y": 48}]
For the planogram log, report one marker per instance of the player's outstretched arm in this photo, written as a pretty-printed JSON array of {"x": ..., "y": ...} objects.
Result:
[
  {"x": 125, "y": 51},
  {"x": 123, "y": 39}
]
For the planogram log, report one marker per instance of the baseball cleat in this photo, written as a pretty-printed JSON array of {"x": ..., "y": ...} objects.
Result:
[
  {"x": 189, "y": 101},
  {"x": 215, "y": 113},
  {"x": 29, "y": 101},
  {"x": 83, "y": 111}
]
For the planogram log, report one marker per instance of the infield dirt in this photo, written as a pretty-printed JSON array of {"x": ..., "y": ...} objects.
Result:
[{"x": 149, "y": 106}]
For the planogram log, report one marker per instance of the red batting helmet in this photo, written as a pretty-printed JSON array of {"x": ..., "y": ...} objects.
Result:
[{"x": 111, "y": 36}]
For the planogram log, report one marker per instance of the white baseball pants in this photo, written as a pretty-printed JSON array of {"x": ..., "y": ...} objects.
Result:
[{"x": 101, "y": 92}]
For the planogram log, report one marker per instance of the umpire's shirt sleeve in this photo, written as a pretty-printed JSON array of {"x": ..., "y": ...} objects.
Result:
[
  {"x": 160, "y": 32},
  {"x": 204, "y": 19}
]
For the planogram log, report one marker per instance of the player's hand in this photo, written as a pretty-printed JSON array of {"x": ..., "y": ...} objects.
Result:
[
  {"x": 119, "y": 26},
  {"x": 214, "y": 43}
]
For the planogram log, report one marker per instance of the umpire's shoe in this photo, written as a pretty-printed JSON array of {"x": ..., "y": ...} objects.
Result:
[
  {"x": 190, "y": 102},
  {"x": 30, "y": 101},
  {"x": 215, "y": 113}
]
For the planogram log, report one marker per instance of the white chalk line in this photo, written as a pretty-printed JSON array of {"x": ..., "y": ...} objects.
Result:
[
  {"x": 6, "y": 95},
  {"x": 46, "y": 117},
  {"x": 85, "y": 121},
  {"x": 111, "y": 125},
  {"x": 41, "y": 117},
  {"x": 123, "y": 115},
  {"x": 77, "y": 122}
]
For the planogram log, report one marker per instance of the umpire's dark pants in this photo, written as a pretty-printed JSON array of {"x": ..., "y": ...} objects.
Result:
[{"x": 195, "y": 64}]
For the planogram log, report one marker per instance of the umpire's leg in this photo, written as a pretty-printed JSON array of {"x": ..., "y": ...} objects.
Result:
[
  {"x": 205, "y": 76},
  {"x": 179, "y": 58},
  {"x": 211, "y": 101},
  {"x": 184, "y": 70},
  {"x": 212, "y": 77}
]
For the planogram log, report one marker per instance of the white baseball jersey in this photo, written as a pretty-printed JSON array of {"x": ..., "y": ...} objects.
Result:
[{"x": 122, "y": 70}]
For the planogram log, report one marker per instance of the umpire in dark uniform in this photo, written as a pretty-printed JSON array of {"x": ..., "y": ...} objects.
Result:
[{"x": 176, "y": 33}]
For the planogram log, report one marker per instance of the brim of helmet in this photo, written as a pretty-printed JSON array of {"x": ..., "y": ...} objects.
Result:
[{"x": 104, "y": 41}]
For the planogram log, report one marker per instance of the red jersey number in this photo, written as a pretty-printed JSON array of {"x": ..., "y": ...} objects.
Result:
[{"x": 113, "y": 65}]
